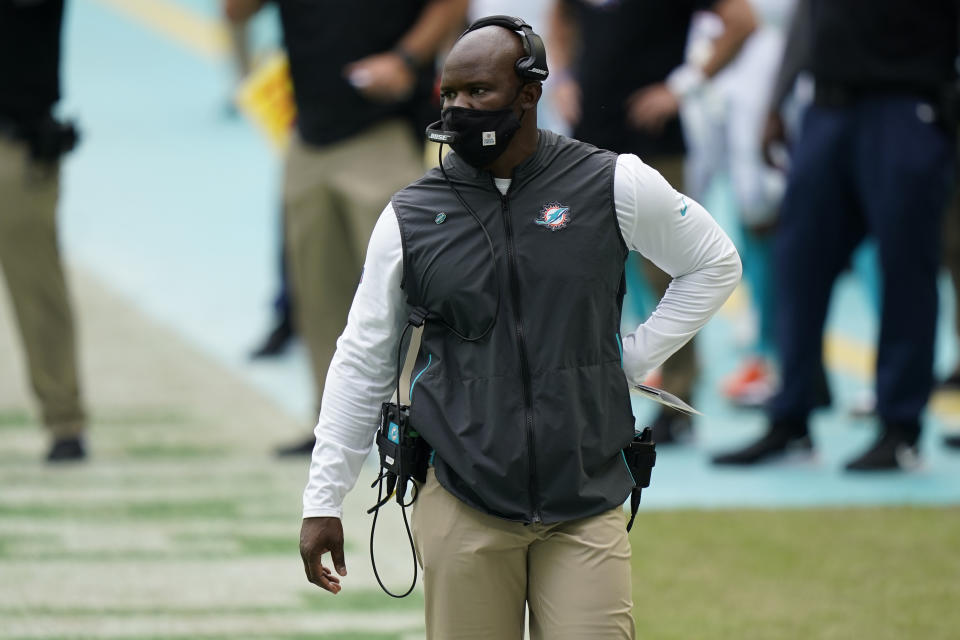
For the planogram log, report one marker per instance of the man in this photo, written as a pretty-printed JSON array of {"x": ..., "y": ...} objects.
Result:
[
  {"x": 361, "y": 72},
  {"x": 527, "y": 420},
  {"x": 875, "y": 157},
  {"x": 31, "y": 143},
  {"x": 622, "y": 78}
]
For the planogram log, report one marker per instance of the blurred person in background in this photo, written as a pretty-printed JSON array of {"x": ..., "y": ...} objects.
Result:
[
  {"x": 875, "y": 157},
  {"x": 621, "y": 78},
  {"x": 723, "y": 126},
  {"x": 951, "y": 258},
  {"x": 362, "y": 74},
  {"x": 241, "y": 57},
  {"x": 282, "y": 332},
  {"x": 32, "y": 142}
]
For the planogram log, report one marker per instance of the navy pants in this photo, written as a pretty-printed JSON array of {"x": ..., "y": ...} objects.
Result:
[{"x": 877, "y": 167}]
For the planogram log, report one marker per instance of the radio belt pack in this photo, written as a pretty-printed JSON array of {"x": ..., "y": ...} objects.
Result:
[{"x": 640, "y": 456}]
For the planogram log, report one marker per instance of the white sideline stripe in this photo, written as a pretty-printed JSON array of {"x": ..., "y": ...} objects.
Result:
[{"x": 267, "y": 625}]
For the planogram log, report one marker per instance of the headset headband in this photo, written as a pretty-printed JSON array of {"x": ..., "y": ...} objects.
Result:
[{"x": 533, "y": 66}]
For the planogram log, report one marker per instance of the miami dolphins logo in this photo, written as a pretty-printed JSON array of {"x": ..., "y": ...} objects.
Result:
[{"x": 554, "y": 216}]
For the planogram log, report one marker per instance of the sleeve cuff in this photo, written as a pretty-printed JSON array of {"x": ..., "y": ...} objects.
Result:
[
  {"x": 686, "y": 80},
  {"x": 321, "y": 512}
]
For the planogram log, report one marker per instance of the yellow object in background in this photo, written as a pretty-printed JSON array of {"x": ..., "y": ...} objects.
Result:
[
  {"x": 266, "y": 98},
  {"x": 431, "y": 158}
]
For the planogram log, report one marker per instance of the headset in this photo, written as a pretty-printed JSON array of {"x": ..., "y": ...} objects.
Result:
[{"x": 533, "y": 66}]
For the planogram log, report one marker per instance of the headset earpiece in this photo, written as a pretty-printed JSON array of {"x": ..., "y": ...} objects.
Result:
[{"x": 533, "y": 66}]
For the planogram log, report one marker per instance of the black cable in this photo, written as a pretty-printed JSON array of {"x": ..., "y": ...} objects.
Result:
[
  {"x": 493, "y": 256},
  {"x": 403, "y": 337},
  {"x": 406, "y": 524},
  {"x": 384, "y": 475}
]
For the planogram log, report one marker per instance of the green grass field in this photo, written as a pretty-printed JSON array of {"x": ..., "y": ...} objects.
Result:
[
  {"x": 852, "y": 573},
  {"x": 182, "y": 526},
  {"x": 824, "y": 573}
]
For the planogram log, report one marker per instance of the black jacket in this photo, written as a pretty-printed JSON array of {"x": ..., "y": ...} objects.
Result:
[{"x": 527, "y": 424}]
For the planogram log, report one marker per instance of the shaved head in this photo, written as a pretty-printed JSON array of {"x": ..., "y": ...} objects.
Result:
[
  {"x": 492, "y": 45},
  {"x": 486, "y": 57}
]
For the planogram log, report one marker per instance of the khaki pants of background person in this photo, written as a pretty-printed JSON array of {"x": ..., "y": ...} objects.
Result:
[
  {"x": 680, "y": 370},
  {"x": 333, "y": 196},
  {"x": 30, "y": 260},
  {"x": 479, "y": 571}
]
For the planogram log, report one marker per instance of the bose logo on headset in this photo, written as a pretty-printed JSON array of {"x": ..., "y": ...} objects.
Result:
[{"x": 442, "y": 136}]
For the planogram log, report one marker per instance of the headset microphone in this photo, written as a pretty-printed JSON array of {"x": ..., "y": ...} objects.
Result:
[{"x": 436, "y": 134}]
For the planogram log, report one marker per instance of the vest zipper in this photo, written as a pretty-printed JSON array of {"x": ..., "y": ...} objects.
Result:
[{"x": 524, "y": 364}]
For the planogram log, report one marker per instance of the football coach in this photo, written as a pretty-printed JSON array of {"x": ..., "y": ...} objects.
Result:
[{"x": 516, "y": 248}]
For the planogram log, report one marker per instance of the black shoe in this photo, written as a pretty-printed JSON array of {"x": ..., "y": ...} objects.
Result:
[
  {"x": 783, "y": 438},
  {"x": 671, "y": 427},
  {"x": 300, "y": 448},
  {"x": 952, "y": 441},
  {"x": 276, "y": 342},
  {"x": 895, "y": 449},
  {"x": 67, "y": 450}
]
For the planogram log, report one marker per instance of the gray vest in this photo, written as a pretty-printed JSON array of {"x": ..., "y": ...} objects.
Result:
[{"x": 528, "y": 423}]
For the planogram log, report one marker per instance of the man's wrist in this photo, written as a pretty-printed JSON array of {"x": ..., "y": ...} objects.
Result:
[
  {"x": 686, "y": 80},
  {"x": 410, "y": 61}
]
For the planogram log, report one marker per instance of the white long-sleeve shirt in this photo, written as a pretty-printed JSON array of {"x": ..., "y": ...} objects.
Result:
[{"x": 670, "y": 229}]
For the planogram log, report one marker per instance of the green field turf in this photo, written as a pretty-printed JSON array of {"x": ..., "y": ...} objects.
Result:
[
  {"x": 780, "y": 574},
  {"x": 182, "y": 526},
  {"x": 825, "y": 573}
]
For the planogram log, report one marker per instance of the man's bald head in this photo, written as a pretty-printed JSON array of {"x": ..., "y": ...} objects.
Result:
[{"x": 493, "y": 48}]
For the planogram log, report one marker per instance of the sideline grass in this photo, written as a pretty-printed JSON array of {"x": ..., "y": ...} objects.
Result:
[
  {"x": 872, "y": 573},
  {"x": 789, "y": 574},
  {"x": 158, "y": 537}
]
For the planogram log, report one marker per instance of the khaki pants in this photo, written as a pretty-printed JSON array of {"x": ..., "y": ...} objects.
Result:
[
  {"x": 479, "y": 571},
  {"x": 680, "y": 370},
  {"x": 30, "y": 260},
  {"x": 333, "y": 196}
]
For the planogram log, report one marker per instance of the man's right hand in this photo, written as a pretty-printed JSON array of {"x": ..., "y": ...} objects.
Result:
[
  {"x": 239, "y": 11},
  {"x": 317, "y": 537}
]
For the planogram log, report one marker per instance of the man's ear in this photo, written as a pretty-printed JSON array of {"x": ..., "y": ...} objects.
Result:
[{"x": 530, "y": 95}]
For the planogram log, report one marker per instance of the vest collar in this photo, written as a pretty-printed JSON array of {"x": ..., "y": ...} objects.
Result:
[{"x": 545, "y": 139}]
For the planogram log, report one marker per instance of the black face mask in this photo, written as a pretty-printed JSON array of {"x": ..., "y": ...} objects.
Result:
[{"x": 482, "y": 135}]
